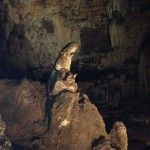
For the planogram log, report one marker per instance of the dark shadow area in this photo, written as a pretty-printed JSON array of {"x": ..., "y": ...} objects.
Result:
[{"x": 94, "y": 40}]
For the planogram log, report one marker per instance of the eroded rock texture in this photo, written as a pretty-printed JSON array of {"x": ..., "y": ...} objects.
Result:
[
  {"x": 34, "y": 31},
  {"x": 118, "y": 136},
  {"x": 21, "y": 106},
  {"x": 117, "y": 81},
  {"x": 73, "y": 121},
  {"x": 5, "y": 143}
]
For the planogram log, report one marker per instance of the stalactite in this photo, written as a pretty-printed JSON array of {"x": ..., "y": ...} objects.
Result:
[
  {"x": 109, "y": 8},
  {"x": 116, "y": 11},
  {"x": 119, "y": 5},
  {"x": 117, "y": 30},
  {"x": 5, "y": 23}
]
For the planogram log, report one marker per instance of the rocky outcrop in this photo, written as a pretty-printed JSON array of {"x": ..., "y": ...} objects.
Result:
[
  {"x": 24, "y": 102},
  {"x": 5, "y": 143},
  {"x": 72, "y": 114},
  {"x": 73, "y": 121},
  {"x": 70, "y": 111}
]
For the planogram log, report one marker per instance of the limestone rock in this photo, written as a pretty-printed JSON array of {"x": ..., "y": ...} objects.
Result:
[
  {"x": 117, "y": 139},
  {"x": 5, "y": 143},
  {"x": 24, "y": 104},
  {"x": 75, "y": 123},
  {"x": 34, "y": 31},
  {"x": 67, "y": 84},
  {"x": 2, "y": 127},
  {"x": 118, "y": 136}
]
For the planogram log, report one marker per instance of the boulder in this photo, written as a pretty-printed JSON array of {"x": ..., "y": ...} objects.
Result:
[{"x": 24, "y": 103}]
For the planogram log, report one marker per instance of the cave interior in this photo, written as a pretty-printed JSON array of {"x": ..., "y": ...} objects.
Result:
[{"x": 112, "y": 63}]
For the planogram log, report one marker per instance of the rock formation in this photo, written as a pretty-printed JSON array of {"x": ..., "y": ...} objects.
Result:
[
  {"x": 118, "y": 136},
  {"x": 116, "y": 10},
  {"x": 71, "y": 116},
  {"x": 33, "y": 32},
  {"x": 75, "y": 122},
  {"x": 21, "y": 106},
  {"x": 5, "y": 143},
  {"x": 117, "y": 82}
]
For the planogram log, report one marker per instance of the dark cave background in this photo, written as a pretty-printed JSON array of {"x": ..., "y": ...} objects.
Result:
[{"x": 117, "y": 81}]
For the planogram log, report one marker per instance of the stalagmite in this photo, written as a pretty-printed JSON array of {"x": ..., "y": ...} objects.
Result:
[{"x": 118, "y": 136}]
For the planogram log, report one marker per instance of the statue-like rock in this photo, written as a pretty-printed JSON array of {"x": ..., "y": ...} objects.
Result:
[{"x": 73, "y": 122}]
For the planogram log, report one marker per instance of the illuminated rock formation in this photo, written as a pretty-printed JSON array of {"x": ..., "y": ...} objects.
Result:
[{"x": 75, "y": 122}]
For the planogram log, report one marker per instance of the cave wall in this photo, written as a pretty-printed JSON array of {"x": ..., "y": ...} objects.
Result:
[{"x": 33, "y": 32}]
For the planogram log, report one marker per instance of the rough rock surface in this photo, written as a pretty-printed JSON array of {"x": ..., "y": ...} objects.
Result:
[
  {"x": 33, "y": 31},
  {"x": 75, "y": 123},
  {"x": 21, "y": 106},
  {"x": 118, "y": 136},
  {"x": 5, "y": 143}
]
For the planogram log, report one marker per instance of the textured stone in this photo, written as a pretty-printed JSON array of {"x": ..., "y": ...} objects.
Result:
[
  {"x": 24, "y": 104},
  {"x": 34, "y": 31},
  {"x": 118, "y": 136},
  {"x": 71, "y": 116},
  {"x": 5, "y": 143}
]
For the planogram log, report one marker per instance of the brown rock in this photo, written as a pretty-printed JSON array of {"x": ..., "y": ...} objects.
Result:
[
  {"x": 118, "y": 136},
  {"x": 24, "y": 113},
  {"x": 5, "y": 143},
  {"x": 75, "y": 123}
]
